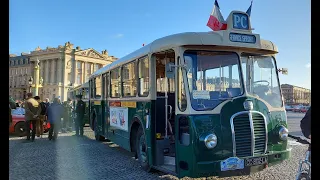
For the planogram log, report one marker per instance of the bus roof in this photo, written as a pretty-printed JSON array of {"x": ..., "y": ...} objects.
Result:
[
  {"x": 211, "y": 38},
  {"x": 84, "y": 85},
  {"x": 182, "y": 39}
]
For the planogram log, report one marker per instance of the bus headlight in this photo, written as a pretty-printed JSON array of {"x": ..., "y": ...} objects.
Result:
[
  {"x": 211, "y": 141},
  {"x": 283, "y": 133}
]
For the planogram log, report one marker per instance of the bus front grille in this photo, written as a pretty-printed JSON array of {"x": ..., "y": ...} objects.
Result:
[
  {"x": 249, "y": 134},
  {"x": 242, "y": 135},
  {"x": 259, "y": 128}
]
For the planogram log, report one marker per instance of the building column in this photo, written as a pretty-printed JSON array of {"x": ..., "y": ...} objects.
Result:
[
  {"x": 82, "y": 72},
  {"x": 46, "y": 79},
  {"x": 75, "y": 72},
  {"x": 91, "y": 68},
  {"x": 59, "y": 70},
  {"x": 52, "y": 67}
]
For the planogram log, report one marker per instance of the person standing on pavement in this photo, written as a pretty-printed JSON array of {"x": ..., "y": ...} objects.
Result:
[
  {"x": 42, "y": 116},
  {"x": 80, "y": 110},
  {"x": 55, "y": 113},
  {"x": 47, "y": 102},
  {"x": 67, "y": 115},
  {"x": 32, "y": 111}
]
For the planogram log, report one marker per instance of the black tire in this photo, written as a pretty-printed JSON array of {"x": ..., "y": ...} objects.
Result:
[
  {"x": 99, "y": 137},
  {"x": 20, "y": 129},
  {"x": 304, "y": 176},
  {"x": 141, "y": 150}
]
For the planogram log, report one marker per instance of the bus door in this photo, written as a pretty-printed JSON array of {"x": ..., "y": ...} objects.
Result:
[{"x": 165, "y": 112}]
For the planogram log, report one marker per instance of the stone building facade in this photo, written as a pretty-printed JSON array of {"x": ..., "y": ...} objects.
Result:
[
  {"x": 294, "y": 95},
  {"x": 61, "y": 68}
]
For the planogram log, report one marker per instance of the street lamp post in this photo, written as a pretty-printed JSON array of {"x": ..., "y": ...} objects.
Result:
[
  {"x": 30, "y": 83},
  {"x": 37, "y": 83}
]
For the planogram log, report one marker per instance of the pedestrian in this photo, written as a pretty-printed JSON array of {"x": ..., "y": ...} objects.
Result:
[
  {"x": 42, "y": 116},
  {"x": 80, "y": 110},
  {"x": 67, "y": 116},
  {"x": 32, "y": 111},
  {"x": 55, "y": 113},
  {"x": 47, "y": 101}
]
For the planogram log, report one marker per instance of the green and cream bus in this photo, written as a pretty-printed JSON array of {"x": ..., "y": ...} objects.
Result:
[
  {"x": 83, "y": 90},
  {"x": 195, "y": 104}
]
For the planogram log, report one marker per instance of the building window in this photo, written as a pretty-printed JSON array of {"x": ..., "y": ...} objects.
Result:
[
  {"x": 69, "y": 78},
  {"x": 79, "y": 65},
  {"x": 115, "y": 83},
  {"x": 98, "y": 87},
  {"x": 143, "y": 76},
  {"x": 78, "y": 78},
  {"x": 129, "y": 84},
  {"x": 96, "y": 67}
]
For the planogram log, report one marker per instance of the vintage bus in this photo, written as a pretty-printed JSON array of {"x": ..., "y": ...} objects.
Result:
[
  {"x": 195, "y": 104},
  {"x": 83, "y": 90}
]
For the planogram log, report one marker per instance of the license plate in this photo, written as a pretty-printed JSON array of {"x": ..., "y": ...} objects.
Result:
[
  {"x": 256, "y": 161},
  {"x": 232, "y": 163}
]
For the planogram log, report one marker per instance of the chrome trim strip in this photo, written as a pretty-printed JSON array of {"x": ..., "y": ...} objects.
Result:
[
  {"x": 232, "y": 130},
  {"x": 266, "y": 127},
  {"x": 252, "y": 134}
]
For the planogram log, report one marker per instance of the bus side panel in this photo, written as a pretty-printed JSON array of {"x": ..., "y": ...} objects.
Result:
[{"x": 121, "y": 136}]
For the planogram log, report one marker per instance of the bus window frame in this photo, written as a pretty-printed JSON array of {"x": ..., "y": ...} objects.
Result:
[
  {"x": 110, "y": 88},
  {"x": 95, "y": 87},
  {"x": 106, "y": 85},
  {"x": 135, "y": 62},
  {"x": 138, "y": 79}
]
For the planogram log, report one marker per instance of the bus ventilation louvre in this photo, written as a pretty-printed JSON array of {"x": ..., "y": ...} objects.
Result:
[{"x": 249, "y": 134}]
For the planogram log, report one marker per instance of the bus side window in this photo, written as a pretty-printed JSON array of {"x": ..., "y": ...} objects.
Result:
[
  {"x": 143, "y": 69},
  {"x": 115, "y": 82},
  {"x": 182, "y": 101},
  {"x": 98, "y": 87},
  {"x": 91, "y": 88},
  {"x": 129, "y": 84}
]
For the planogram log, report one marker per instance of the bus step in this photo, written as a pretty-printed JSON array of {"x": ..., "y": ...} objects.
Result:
[{"x": 169, "y": 160}]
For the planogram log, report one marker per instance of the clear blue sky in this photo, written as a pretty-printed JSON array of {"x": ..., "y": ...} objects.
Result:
[{"x": 123, "y": 26}]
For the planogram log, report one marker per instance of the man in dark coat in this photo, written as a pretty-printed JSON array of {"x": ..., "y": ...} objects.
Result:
[
  {"x": 55, "y": 113},
  {"x": 305, "y": 124},
  {"x": 67, "y": 115},
  {"x": 32, "y": 112},
  {"x": 80, "y": 111}
]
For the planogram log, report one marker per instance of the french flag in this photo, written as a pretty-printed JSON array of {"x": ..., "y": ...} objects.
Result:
[{"x": 216, "y": 21}]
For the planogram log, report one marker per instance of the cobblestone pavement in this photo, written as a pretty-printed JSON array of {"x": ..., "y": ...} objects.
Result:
[{"x": 77, "y": 158}]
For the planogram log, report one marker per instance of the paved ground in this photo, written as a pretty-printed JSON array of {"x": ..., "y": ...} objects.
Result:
[
  {"x": 84, "y": 158},
  {"x": 294, "y": 123}
]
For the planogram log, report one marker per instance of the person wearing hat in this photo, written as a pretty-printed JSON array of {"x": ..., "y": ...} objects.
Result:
[
  {"x": 80, "y": 110},
  {"x": 67, "y": 105}
]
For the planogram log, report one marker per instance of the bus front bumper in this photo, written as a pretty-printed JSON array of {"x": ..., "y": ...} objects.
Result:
[{"x": 213, "y": 168}]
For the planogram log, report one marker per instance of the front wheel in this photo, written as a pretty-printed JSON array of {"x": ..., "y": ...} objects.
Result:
[
  {"x": 20, "y": 129},
  {"x": 141, "y": 149},
  {"x": 304, "y": 176}
]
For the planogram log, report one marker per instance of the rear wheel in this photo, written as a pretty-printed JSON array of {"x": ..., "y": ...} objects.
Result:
[
  {"x": 141, "y": 150},
  {"x": 20, "y": 129}
]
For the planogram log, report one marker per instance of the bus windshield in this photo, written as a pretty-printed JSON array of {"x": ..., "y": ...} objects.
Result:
[
  {"x": 213, "y": 77},
  {"x": 260, "y": 78}
]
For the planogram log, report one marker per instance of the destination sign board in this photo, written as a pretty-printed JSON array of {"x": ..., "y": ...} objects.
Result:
[{"x": 243, "y": 38}]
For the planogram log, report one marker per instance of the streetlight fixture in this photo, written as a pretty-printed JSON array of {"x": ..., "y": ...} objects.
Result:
[{"x": 30, "y": 83}]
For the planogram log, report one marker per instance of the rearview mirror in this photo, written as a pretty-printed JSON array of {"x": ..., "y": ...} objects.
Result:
[
  {"x": 283, "y": 71},
  {"x": 170, "y": 70}
]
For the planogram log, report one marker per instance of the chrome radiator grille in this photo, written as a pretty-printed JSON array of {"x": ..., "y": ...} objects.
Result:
[{"x": 249, "y": 133}]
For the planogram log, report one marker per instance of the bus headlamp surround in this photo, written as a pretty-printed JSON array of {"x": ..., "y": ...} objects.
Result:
[
  {"x": 283, "y": 133},
  {"x": 211, "y": 141}
]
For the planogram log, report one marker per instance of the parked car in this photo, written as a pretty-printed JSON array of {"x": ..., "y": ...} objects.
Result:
[
  {"x": 289, "y": 108},
  {"x": 18, "y": 123},
  {"x": 304, "y": 109}
]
